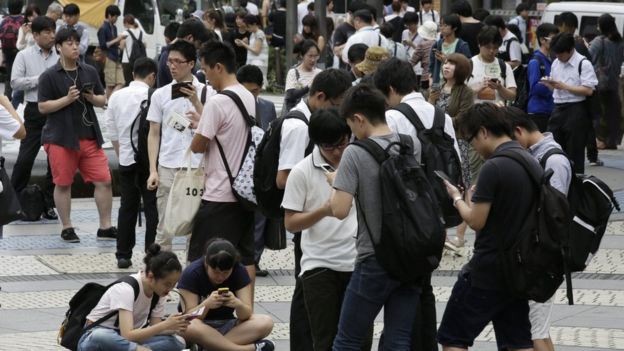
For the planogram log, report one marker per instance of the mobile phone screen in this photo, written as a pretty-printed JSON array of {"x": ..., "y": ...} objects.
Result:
[
  {"x": 444, "y": 176},
  {"x": 176, "y": 92}
]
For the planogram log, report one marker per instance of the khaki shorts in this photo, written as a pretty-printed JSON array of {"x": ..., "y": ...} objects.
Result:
[{"x": 113, "y": 73}]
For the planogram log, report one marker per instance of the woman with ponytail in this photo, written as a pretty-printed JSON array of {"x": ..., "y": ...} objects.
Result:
[
  {"x": 214, "y": 287},
  {"x": 138, "y": 326}
]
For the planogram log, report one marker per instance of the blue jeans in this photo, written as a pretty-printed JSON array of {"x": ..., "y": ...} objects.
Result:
[
  {"x": 100, "y": 338},
  {"x": 370, "y": 289}
]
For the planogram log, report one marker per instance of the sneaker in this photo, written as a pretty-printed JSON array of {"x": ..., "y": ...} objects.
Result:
[
  {"x": 265, "y": 345},
  {"x": 598, "y": 162},
  {"x": 69, "y": 236},
  {"x": 49, "y": 213},
  {"x": 107, "y": 234},
  {"x": 124, "y": 263},
  {"x": 261, "y": 272}
]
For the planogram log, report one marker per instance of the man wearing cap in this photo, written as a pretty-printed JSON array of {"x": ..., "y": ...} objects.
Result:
[{"x": 365, "y": 33}]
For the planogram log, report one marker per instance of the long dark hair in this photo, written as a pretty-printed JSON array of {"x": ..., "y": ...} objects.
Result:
[{"x": 606, "y": 24}]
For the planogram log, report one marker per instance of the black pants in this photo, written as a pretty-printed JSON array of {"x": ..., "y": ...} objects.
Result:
[
  {"x": 127, "y": 73},
  {"x": 541, "y": 120},
  {"x": 300, "y": 333},
  {"x": 132, "y": 185},
  {"x": 424, "y": 334},
  {"x": 29, "y": 148},
  {"x": 569, "y": 124}
]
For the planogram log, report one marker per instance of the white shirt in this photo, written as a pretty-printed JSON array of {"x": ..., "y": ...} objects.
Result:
[
  {"x": 567, "y": 72},
  {"x": 398, "y": 123},
  {"x": 515, "y": 50},
  {"x": 252, "y": 8},
  {"x": 302, "y": 11},
  {"x": 522, "y": 25},
  {"x": 295, "y": 138},
  {"x": 127, "y": 52},
  {"x": 330, "y": 243},
  {"x": 304, "y": 80},
  {"x": 261, "y": 59},
  {"x": 8, "y": 126},
  {"x": 366, "y": 35},
  {"x": 123, "y": 107},
  {"x": 482, "y": 70},
  {"x": 432, "y": 16},
  {"x": 173, "y": 144},
  {"x": 121, "y": 297}
]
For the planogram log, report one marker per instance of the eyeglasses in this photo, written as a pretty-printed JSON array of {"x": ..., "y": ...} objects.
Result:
[
  {"x": 469, "y": 140},
  {"x": 339, "y": 146},
  {"x": 175, "y": 62}
]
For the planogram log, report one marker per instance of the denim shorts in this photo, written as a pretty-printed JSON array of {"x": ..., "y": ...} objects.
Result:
[
  {"x": 223, "y": 326},
  {"x": 470, "y": 309}
]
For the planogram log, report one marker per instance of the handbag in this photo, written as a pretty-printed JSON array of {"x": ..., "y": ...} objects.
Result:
[
  {"x": 10, "y": 209},
  {"x": 275, "y": 234},
  {"x": 184, "y": 199}
]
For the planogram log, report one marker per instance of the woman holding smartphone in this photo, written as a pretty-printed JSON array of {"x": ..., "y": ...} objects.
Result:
[
  {"x": 215, "y": 286},
  {"x": 126, "y": 330}
]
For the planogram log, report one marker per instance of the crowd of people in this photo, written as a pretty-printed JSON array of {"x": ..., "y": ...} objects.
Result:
[{"x": 410, "y": 71}]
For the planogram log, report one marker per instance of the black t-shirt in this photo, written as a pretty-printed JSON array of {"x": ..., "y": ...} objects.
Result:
[
  {"x": 342, "y": 33},
  {"x": 278, "y": 19},
  {"x": 505, "y": 184},
  {"x": 469, "y": 33},
  {"x": 241, "y": 52},
  {"x": 195, "y": 279}
]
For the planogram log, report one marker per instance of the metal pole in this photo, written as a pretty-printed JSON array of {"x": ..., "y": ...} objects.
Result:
[
  {"x": 291, "y": 30},
  {"x": 320, "y": 12}
]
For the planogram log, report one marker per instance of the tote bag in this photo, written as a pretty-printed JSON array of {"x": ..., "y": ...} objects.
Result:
[{"x": 184, "y": 199}]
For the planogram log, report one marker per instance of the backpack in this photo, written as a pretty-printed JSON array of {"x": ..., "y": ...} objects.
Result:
[
  {"x": 532, "y": 265},
  {"x": 138, "y": 48},
  {"x": 83, "y": 302},
  {"x": 438, "y": 154},
  {"x": 140, "y": 127},
  {"x": 591, "y": 203},
  {"x": 32, "y": 202},
  {"x": 9, "y": 30},
  {"x": 269, "y": 197},
  {"x": 524, "y": 59},
  {"x": 412, "y": 228},
  {"x": 243, "y": 183}
]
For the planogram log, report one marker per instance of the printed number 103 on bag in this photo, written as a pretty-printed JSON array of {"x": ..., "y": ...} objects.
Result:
[{"x": 194, "y": 192}]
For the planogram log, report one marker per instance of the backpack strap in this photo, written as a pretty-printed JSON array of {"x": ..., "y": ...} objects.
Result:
[
  {"x": 300, "y": 116},
  {"x": 239, "y": 103},
  {"x": 374, "y": 149},
  {"x": 297, "y": 74},
  {"x": 552, "y": 151},
  {"x": 503, "y": 69},
  {"x": 204, "y": 92},
  {"x": 535, "y": 176},
  {"x": 137, "y": 290},
  {"x": 379, "y": 40},
  {"x": 144, "y": 105},
  {"x": 411, "y": 115},
  {"x": 439, "y": 117}
]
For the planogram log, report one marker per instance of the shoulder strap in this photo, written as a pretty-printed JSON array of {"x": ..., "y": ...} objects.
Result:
[
  {"x": 300, "y": 116},
  {"x": 379, "y": 40},
  {"x": 503, "y": 69},
  {"x": 411, "y": 115},
  {"x": 509, "y": 45},
  {"x": 204, "y": 92},
  {"x": 132, "y": 35},
  {"x": 297, "y": 74},
  {"x": 552, "y": 151},
  {"x": 374, "y": 149},
  {"x": 523, "y": 162},
  {"x": 439, "y": 117},
  {"x": 239, "y": 103}
]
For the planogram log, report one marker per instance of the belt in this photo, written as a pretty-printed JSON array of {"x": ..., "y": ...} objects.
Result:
[
  {"x": 565, "y": 104},
  {"x": 32, "y": 103}
]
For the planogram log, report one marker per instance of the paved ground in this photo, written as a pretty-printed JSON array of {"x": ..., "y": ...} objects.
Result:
[{"x": 40, "y": 273}]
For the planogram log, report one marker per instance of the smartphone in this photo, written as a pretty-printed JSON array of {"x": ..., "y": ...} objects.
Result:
[
  {"x": 87, "y": 87},
  {"x": 176, "y": 92},
  {"x": 494, "y": 80},
  {"x": 327, "y": 168},
  {"x": 195, "y": 314},
  {"x": 223, "y": 291},
  {"x": 444, "y": 176}
]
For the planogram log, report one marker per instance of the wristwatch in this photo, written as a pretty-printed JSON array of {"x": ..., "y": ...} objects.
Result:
[{"x": 458, "y": 198}]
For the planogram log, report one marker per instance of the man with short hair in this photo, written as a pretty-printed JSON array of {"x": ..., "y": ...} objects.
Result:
[
  {"x": 167, "y": 145},
  {"x": 510, "y": 50},
  {"x": 504, "y": 197},
  {"x": 539, "y": 144},
  {"x": 71, "y": 16},
  {"x": 568, "y": 23},
  {"x": 29, "y": 64},
  {"x": 124, "y": 108},
  {"x": 365, "y": 33},
  {"x": 71, "y": 137},
  {"x": 572, "y": 79},
  {"x": 55, "y": 12},
  {"x": 344, "y": 31},
  {"x": 522, "y": 12},
  {"x": 358, "y": 178},
  {"x": 109, "y": 43}
]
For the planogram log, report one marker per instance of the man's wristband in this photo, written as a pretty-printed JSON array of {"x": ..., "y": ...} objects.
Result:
[{"x": 455, "y": 201}]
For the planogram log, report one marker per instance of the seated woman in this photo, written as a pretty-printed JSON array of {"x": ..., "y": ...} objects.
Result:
[
  {"x": 125, "y": 331},
  {"x": 215, "y": 286}
]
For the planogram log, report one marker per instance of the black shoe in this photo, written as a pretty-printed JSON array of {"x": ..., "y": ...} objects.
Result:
[
  {"x": 49, "y": 213},
  {"x": 69, "y": 236},
  {"x": 261, "y": 272},
  {"x": 265, "y": 345},
  {"x": 107, "y": 234},
  {"x": 124, "y": 263}
]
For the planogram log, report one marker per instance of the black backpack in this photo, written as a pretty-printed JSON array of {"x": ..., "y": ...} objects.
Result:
[
  {"x": 138, "y": 48},
  {"x": 591, "y": 203},
  {"x": 532, "y": 265},
  {"x": 523, "y": 91},
  {"x": 140, "y": 127},
  {"x": 83, "y": 302},
  {"x": 32, "y": 202},
  {"x": 438, "y": 154},
  {"x": 412, "y": 228},
  {"x": 268, "y": 196}
]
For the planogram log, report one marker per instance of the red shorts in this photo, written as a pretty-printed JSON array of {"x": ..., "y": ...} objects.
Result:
[{"x": 90, "y": 160}]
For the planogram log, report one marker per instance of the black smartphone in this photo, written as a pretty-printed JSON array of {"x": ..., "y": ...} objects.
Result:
[
  {"x": 87, "y": 88},
  {"x": 444, "y": 176},
  {"x": 176, "y": 92},
  {"x": 494, "y": 80}
]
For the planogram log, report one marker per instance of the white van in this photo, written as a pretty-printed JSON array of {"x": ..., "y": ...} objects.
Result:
[{"x": 587, "y": 14}]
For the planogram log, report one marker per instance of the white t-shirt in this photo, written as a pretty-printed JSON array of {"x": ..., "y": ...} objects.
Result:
[
  {"x": 295, "y": 139},
  {"x": 127, "y": 52},
  {"x": 123, "y": 107},
  {"x": 366, "y": 35},
  {"x": 305, "y": 78},
  {"x": 174, "y": 144},
  {"x": 121, "y": 297},
  {"x": 221, "y": 119},
  {"x": 8, "y": 126},
  {"x": 330, "y": 243},
  {"x": 262, "y": 59},
  {"x": 398, "y": 123},
  {"x": 515, "y": 50},
  {"x": 482, "y": 70}
]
